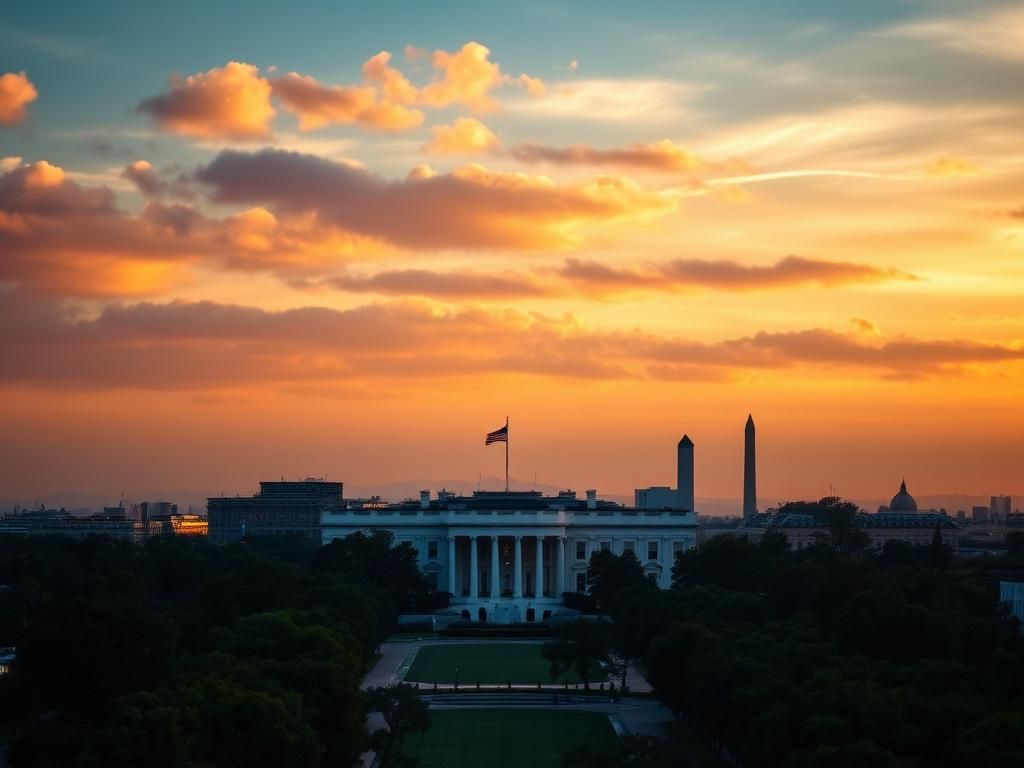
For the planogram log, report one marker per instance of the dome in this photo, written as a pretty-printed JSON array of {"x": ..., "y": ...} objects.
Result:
[{"x": 903, "y": 501}]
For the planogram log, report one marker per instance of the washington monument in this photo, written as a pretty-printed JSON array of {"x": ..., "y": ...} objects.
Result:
[{"x": 749, "y": 470}]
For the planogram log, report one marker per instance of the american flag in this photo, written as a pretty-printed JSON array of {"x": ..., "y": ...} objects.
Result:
[{"x": 497, "y": 436}]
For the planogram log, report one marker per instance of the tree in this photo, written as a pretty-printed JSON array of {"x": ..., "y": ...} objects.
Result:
[
  {"x": 842, "y": 536},
  {"x": 374, "y": 558},
  {"x": 609, "y": 574},
  {"x": 404, "y": 713},
  {"x": 578, "y": 646}
]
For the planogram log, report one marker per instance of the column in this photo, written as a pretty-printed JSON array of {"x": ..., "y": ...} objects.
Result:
[
  {"x": 517, "y": 569},
  {"x": 451, "y": 565},
  {"x": 560, "y": 573},
  {"x": 495, "y": 569},
  {"x": 538, "y": 570},
  {"x": 474, "y": 569}
]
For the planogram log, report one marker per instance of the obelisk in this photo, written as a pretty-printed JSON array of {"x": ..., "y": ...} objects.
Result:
[
  {"x": 684, "y": 473},
  {"x": 749, "y": 470}
]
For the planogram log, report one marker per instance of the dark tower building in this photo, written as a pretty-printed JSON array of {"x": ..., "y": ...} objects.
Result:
[
  {"x": 684, "y": 473},
  {"x": 749, "y": 470}
]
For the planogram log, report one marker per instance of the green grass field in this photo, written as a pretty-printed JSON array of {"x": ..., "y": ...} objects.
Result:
[
  {"x": 497, "y": 738},
  {"x": 488, "y": 663}
]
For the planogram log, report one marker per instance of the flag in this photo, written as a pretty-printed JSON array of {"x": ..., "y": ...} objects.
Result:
[{"x": 497, "y": 436}]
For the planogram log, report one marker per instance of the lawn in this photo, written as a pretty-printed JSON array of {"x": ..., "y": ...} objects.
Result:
[
  {"x": 487, "y": 663},
  {"x": 507, "y": 737}
]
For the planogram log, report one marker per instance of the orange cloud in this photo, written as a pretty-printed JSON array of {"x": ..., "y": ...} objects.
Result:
[
  {"x": 949, "y": 167},
  {"x": 182, "y": 345},
  {"x": 466, "y": 136},
  {"x": 317, "y": 105},
  {"x": 467, "y": 77},
  {"x": 16, "y": 93},
  {"x": 472, "y": 207},
  {"x": 394, "y": 86},
  {"x": 63, "y": 238},
  {"x": 229, "y": 102},
  {"x": 682, "y": 274},
  {"x": 589, "y": 278},
  {"x": 660, "y": 156}
]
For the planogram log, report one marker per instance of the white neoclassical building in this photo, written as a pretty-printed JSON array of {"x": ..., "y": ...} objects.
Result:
[{"x": 509, "y": 556}]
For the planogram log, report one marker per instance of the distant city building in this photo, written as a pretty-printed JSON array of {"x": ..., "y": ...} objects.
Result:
[
  {"x": 153, "y": 510},
  {"x": 7, "y": 657},
  {"x": 901, "y": 502},
  {"x": 979, "y": 514},
  {"x": 113, "y": 522},
  {"x": 279, "y": 507},
  {"x": 999, "y": 509},
  {"x": 1012, "y": 593},
  {"x": 656, "y": 497}
]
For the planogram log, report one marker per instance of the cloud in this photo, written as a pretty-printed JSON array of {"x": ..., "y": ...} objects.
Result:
[
  {"x": 16, "y": 93},
  {"x": 394, "y": 86},
  {"x": 318, "y": 105},
  {"x": 451, "y": 285},
  {"x": 230, "y": 102},
  {"x": 572, "y": 67},
  {"x": 631, "y": 101},
  {"x": 206, "y": 345},
  {"x": 141, "y": 174},
  {"x": 683, "y": 274},
  {"x": 996, "y": 33},
  {"x": 865, "y": 326},
  {"x": 594, "y": 279},
  {"x": 1017, "y": 214},
  {"x": 662, "y": 155},
  {"x": 949, "y": 167},
  {"x": 60, "y": 237},
  {"x": 466, "y": 77},
  {"x": 466, "y": 136},
  {"x": 472, "y": 207}
]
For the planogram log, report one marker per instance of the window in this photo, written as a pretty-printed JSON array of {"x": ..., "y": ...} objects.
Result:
[
  {"x": 652, "y": 550},
  {"x": 432, "y": 582},
  {"x": 581, "y": 550},
  {"x": 677, "y": 548},
  {"x": 432, "y": 550},
  {"x": 652, "y": 577},
  {"x": 628, "y": 546},
  {"x": 407, "y": 543},
  {"x": 581, "y": 582},
  {"x": 606, "y": 546}
]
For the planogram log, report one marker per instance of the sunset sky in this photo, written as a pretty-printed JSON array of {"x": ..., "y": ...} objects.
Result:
[{"x": 246, "y": 240}]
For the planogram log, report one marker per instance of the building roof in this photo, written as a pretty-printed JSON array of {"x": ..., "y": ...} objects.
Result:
[
  {"x": 863, "y": 520},
  {"x": 903, "y": 501}
]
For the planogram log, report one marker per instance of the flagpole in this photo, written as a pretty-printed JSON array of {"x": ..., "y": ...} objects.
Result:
[{"x": 506, "y": 454}]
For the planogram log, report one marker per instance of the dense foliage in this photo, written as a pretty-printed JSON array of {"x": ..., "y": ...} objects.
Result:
[
  {"x": 825, "y": 657},
  {"x": 181, "y": 653}
]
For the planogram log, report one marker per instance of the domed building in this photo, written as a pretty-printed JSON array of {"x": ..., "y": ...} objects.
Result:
[{"x": 901, "y": 502}]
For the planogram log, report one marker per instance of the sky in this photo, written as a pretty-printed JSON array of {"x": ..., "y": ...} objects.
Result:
[{"x": 241, "y": 241}]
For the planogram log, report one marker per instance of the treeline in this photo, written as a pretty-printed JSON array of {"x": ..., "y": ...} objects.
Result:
[
  {"x": 831, "y": 656},
  {"x": 180, "y": 653}
]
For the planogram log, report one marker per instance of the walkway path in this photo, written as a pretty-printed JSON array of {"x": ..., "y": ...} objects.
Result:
[
  {"x": 639, "y": 716},
  {"x": 397, "y": 656}
]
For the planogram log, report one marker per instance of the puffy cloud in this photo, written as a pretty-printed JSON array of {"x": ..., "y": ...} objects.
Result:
[
  {"x": 141, "y": 174},
  {"x": 182, "y": 345},
  {"x": 60, "y": 237},
  {"x": 394, "y": 86},
  {"x": 466, "y": 135},
  {"x": 660, "y": 156},
  {"x": 317, "y": 105},
  {"x": 16, "y": 93},
  {"x": 230, "y": 102},
  {"x": 472, "y": 207},
  {"x": 467, "y": 77}
]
